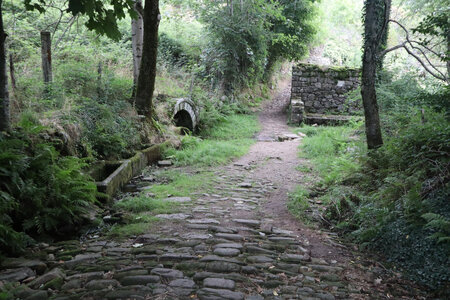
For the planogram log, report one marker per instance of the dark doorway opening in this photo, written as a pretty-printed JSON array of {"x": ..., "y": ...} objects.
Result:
[{"x": 183, "y": 119}]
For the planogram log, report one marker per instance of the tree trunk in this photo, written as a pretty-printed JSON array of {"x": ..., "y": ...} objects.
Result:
[
  {"x": 12, "y": 72},
  {"x": 368, "y": 92},
  {"x": 46, "y": 55},
  {"x": 5, "y": 121},
  {"x": 147, "y": 73},
  {"x": 383, "y": 14},
  {"x": 448, "y": 55},
  {"x": 137, "y": 36},
  {"x": 99, "y": 81}
]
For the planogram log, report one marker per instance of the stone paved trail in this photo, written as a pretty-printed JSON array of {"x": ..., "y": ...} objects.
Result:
[{"x": 239, "y": 242}]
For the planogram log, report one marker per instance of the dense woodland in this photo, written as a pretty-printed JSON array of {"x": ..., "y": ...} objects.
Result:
[{"x": 384, "y": 181}]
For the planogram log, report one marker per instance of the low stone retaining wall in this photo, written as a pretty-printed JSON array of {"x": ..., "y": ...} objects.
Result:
[
  {"x": 323, "y": 90},
  {"x": 129, "y": 168}
]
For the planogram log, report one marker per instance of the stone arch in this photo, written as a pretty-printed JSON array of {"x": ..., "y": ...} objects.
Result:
[{"x": 185, "y": 114}]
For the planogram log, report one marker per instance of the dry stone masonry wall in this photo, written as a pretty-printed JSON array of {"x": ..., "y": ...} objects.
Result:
[{"x": 323, "y": 90}]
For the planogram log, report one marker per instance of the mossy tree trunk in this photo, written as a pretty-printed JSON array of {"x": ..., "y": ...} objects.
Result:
[
  {"x": 374, "y": 27},
  {"x": 147, "y": 72},
  {"x": 5, "y": 121}
]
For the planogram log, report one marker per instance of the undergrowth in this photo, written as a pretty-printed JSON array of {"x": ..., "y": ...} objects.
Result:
[{"x": 41, "y": 192}]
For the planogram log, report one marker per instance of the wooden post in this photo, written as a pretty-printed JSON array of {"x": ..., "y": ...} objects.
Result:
[{"x": 46, "y": 55}]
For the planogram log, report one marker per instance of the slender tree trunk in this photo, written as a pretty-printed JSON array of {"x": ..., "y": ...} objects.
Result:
[
  {"x": 99, "y": 80},
  {"x": 448, "y": 55},
  {"x": 46, "y": 55},
  {"x": 368, "y": 92},
  {"x": 137, "y": 36},
  {"x": 147, "y": 73},
  {"x": 5, "y": 121},
  {"x": 12, "y": 72}
]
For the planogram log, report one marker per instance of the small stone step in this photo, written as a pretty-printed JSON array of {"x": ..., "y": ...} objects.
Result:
[
  {"x": 217, "y": 294},
  {"x": 248, "y": 222},
  {"x": 230, "y": 236},
  {"x": 229, "y": 252},
  {"x": 164, "y": 163},
  {"x": 219, "y": 283},
  {"x": 204, "y": 221},
  {"x": 139, "y": 279}
]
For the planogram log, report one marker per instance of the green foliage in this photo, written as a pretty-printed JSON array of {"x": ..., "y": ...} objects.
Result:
[
  {"x": 170, "y": 50},
  {"x": 110, "y": 130},
  {"x": 102, "y": 15},
  {"x": 394, "y": 199},
  {"x": 41, "y": 191},
  {"x": 146, "y": 204},
  {"x": 129, "y": 230},
  {"x": 292, "y": 33},
  {"x": 298, "y": 203},
  {"x": 332, "y": 150},
  {"x": 436, "y": 24},
  {"x": 246, "y": 40},
  {"x": 339, "y": 34}
]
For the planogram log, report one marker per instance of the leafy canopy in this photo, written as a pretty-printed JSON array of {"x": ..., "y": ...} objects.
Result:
[{"x": 102, "y": 15}]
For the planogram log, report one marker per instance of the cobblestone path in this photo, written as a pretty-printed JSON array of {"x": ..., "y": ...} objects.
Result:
[{"x": 236, "y": 243}]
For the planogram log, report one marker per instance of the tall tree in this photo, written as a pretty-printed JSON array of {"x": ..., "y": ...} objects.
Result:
[
  {"x": 376, "y": 14},
  {"x": 137, "y": 36},
  {"x": 5, "y": 122},
  {"x": 147, "y": 72}
]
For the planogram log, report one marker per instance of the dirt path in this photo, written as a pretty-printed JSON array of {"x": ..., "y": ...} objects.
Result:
[{"x": 239, "y": 242}]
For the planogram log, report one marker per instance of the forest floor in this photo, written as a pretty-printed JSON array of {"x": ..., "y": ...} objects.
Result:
[{"x": 235, "y": 240}]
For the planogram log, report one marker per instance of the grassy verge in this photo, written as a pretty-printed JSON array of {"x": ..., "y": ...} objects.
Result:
[
  {"x": 229, "y": 139},
  {"x": 333, "y": 153},
  {"x": 142, "y": 209},
  {"x": 390, "y": 200}
]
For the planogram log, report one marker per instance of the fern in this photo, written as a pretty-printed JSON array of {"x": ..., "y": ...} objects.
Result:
[
  {"x": 40, "y": 191},
  {"x": 440, "y": 224}
]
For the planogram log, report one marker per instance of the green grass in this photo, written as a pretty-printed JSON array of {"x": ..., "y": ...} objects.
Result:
[
  {"x": 332, "y": 150},
  {"x": 333, "y": 153},
  {"x": 179, "y": 185},
  {"x": 183, "y": 184},
  {"x": 229, "y": 139},
  {"x": 142, "y": 203},
  {"x": 127, "y": 230},
  {"x": 234, "y": 127},
  {"x": 298, "y": 202}
]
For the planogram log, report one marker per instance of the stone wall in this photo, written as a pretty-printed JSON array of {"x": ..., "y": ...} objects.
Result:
[{"x": 323, "y": 89}]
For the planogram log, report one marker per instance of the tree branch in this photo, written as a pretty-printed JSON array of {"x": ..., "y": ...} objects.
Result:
[
  {"x": 424, "y": 65},
  {"x": 384, "y": 52},
  {"x": 436, "y": 73}
]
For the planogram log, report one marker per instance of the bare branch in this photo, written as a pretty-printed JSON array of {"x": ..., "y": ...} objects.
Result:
[
  {"x": 426, "y": 57},
  {"x": 424, "y": 65},
  {"x": 436, "y": 73},
  {"x": 383, "y": 53},
  {"x": 65, "y": 31}
]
